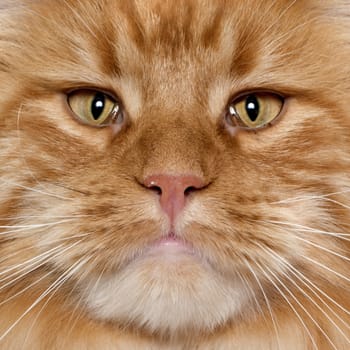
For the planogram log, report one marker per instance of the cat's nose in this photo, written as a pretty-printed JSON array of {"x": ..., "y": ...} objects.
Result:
[{"x": 173, "y": 191}]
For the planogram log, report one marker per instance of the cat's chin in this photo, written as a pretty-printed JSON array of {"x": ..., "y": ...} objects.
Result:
[{"x": 164, "y": 291}]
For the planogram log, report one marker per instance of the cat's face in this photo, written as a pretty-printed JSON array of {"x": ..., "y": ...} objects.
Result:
[{"x": 176, "y": 166}]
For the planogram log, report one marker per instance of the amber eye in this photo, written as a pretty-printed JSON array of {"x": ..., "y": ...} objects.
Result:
[
  {"x": 95, "y": 107},
  {"x": 255, "y": 110}
]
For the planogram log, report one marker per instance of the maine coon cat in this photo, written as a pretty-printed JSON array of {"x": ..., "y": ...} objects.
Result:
[{"x": 175, "y": 174}]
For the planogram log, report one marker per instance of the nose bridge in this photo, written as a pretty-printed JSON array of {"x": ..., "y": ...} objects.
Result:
[
  {"x": 177, "y": 158},
  {"x": 174, "y": 146}
]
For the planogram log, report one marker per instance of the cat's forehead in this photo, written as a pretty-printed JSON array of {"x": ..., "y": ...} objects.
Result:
[
  {"x": 176, "y": 48},
  {"x": 182, "y": 51},
  {"x": 174, "y": 52}
]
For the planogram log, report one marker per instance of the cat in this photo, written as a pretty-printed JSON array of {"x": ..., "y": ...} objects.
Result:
[{"x": 175, "y": 174}]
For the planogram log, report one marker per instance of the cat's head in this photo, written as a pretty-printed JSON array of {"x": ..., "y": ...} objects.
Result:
[{"x": 175, "y": 164}]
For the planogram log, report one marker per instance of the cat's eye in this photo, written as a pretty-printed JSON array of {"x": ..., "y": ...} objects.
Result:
[
  {"x": 95, "y": 108},
  {"x": 254, "y": 110}
]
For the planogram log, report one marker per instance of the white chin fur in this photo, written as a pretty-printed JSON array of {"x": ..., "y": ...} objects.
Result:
[{"x": 166, "y": 296}]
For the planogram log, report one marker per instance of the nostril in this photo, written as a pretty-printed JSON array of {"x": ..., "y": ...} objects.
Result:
[
  {"x": 182, "y": 185},
  {"x": 152, "y": 183},
  {"x": 155, "y": 189},
  {"x": 189, "y": 190},
  {"x": 173, "y": 191}
]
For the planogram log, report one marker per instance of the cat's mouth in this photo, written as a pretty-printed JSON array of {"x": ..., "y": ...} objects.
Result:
[{"x": 170, "y": 245}]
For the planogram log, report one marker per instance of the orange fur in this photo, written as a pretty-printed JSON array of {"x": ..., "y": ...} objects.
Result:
[{"x": 270, "y": 229}]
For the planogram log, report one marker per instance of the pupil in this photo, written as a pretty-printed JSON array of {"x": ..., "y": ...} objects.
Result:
[
  {"x": 252, "y": 107},
  {"x": 97, "y": 106}
]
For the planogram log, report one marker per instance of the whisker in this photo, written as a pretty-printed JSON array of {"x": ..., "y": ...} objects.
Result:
[
  {"x": 86, "y": 193},
  {"x": 307, "y": 282},
  {"x": 337, "y": 202},
  {"x": 342, "y": 236},
  {"x": 38, "y": 257},
  {"x": 275, "y": 256},
  {"x": 309, "y": 197},
  {"x": 347, "y": 279},
  {"x": 33, "y": 266},
  {"x": 323, "y": 199},
  {"x": 8, "y": 256},
  {"x": 36, "y": 190},
  {"x": 323, "y": 248},
  {"x": 266, "y": 301},
  {"x": 290, "y": 305},
  {"x": 16, "y": 253},
  {"x": 303, "y": 308},
  {"x": 31, "y": 226},
  {"x": 26, "y": 288},
  {"x": 310, "y": 283},
  {"x": 64, "y": 278},
  {"x": 303, "y": 228},
  {"x": 90, "y": 288},
  {"x": 51, "y": 288},
  {"x": 250, "y": 292},
  {"x": 25, "y": 217}
]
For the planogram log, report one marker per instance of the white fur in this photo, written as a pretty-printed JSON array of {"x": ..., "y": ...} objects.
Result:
[{"x": 167, "y": 294}]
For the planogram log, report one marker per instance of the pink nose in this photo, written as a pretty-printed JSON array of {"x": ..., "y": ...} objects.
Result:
[{"x": 173, "y": 191}]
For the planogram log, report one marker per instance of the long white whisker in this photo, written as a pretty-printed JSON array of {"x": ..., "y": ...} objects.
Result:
[
  {"x": 290, "y": 305},
  {"x": 73, "y": 313},
  {"x": 267, "y": 303},
  {"x": 303, "y": 228},
  {"x": 347, "y": 279},
  {"x": 33, "y": 266},
  {"x": 337, "y": 202},
  {"x": 310, "y": 283},
  {"x": 64, "y": 278},
  {"x": 342, "y": 236},
  {"x": 16, "y": 253},
  {"x": 36, "y": 190},
  {"x": 8, "y": 256},
  {"x": 25, "y": 217},
  {"x": 31, "y": 226},
  {"x": 52, "y": 287},
  {"x": 31, "y": 260},
  {"x": 309, "y": 197},
  {"x": 307, "y": 282},
  {"x": 267, "y": 250},
  {"x": 303, "y": 308},
  {"x": 251, "y": 292},
  {"x": 26, "y": 288},
  {"x": 323, "y": 248}
]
